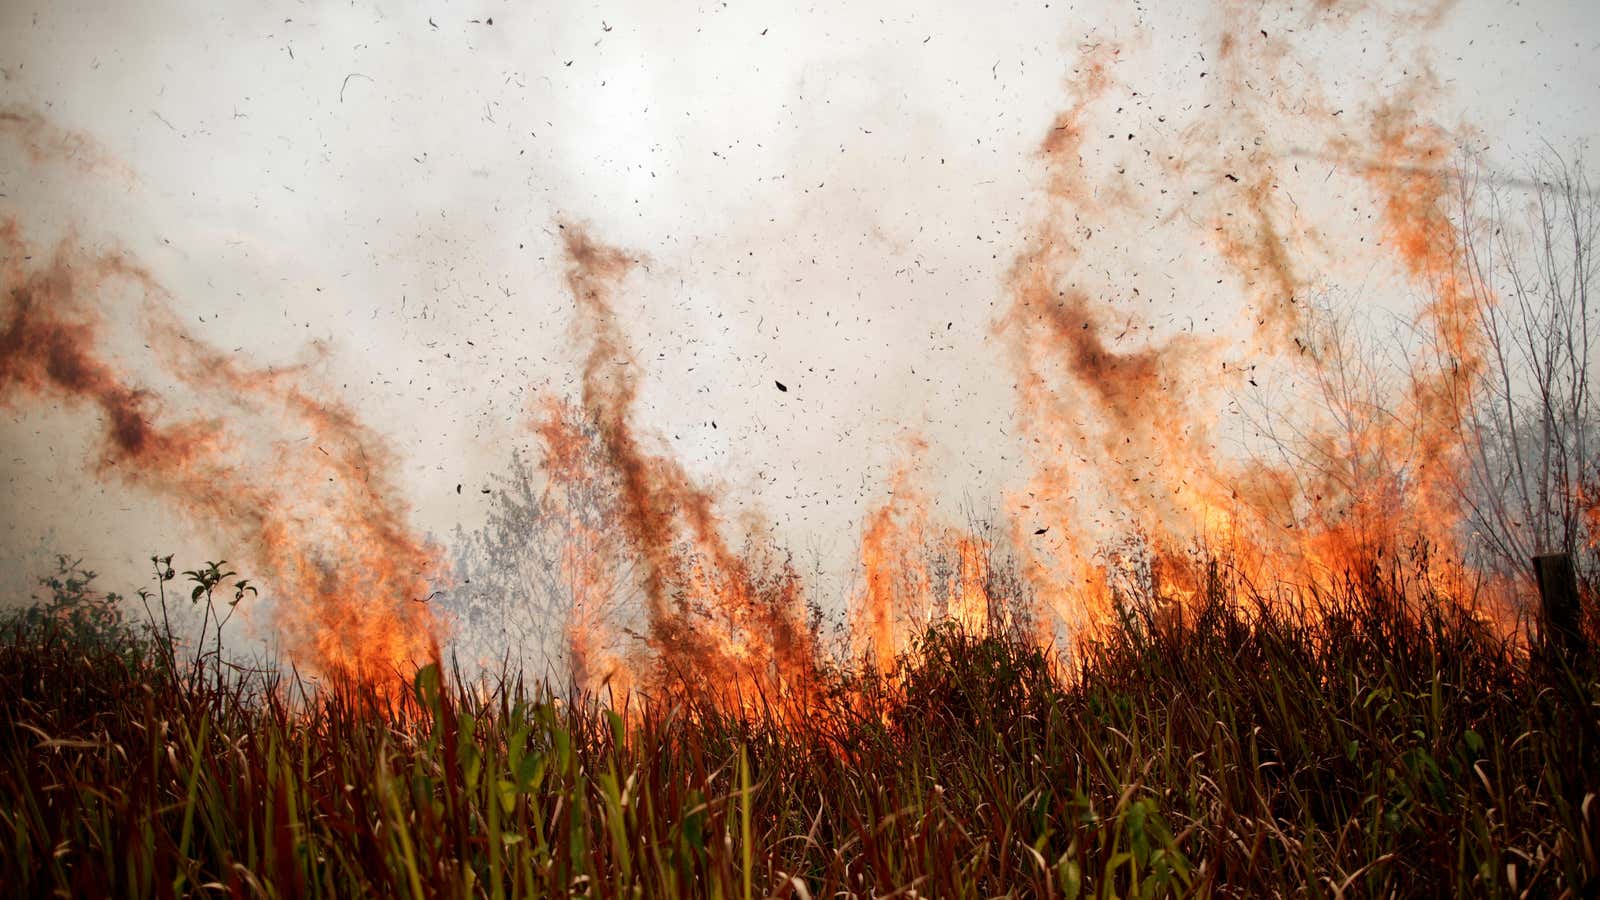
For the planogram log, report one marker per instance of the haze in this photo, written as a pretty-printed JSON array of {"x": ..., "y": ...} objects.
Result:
[{"x": 829, "y": 197}]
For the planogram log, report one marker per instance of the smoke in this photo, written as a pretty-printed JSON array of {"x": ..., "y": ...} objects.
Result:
[
  {"x": 713, "y": 615},
  {"x": 45, "y": 142},
  {"x": 1124, "y": 442},
  {"x": 318, "y": 514},
  {"x": 1069, "y": 294}
]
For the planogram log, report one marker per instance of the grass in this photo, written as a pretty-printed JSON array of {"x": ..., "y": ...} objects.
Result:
[{"x": 1382, "y": 747}]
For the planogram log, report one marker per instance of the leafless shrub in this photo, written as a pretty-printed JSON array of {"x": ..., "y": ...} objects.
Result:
[
  {"x": 517, "y": 591},
  {"x": 1531, "y": 428}
]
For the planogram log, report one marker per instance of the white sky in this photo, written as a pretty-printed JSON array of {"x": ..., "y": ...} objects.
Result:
[{"x": 828, "y": 195}]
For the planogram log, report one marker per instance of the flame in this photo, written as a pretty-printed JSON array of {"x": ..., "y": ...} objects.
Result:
[
  {"x": 897, "y": 594},
  {"x": 1129, "y": 490},
  {"x": 590, "y": 560},
  {"x": 1127, "y": 476},
  {"x": 915, "y": 572},
  {"x": 1121, "y": 417},
  {"x": 320, "y": 519},
  {"x": 730, "y": 624},
  {"x": 1589, "y": 508},
  {"x": 1129, "y": 487}
]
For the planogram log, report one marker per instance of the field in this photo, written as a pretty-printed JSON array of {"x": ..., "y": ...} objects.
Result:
[{"x": 1351, "y": 744}]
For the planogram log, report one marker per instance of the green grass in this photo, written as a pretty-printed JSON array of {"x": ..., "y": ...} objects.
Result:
[{"x": 1382, "y": 748}]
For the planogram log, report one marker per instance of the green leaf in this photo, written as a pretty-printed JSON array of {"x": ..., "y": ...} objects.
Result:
[
  {"x": 530, "y": 773},
  {"x": 694, "y": 830},
  {"x": 507, "y": 792},
  {"x": 426, "y": 685},
  {"x": 471, "y": 765}
]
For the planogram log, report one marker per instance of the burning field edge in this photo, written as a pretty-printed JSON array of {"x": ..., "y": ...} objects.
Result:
[{"x": 1386, "y": 746}]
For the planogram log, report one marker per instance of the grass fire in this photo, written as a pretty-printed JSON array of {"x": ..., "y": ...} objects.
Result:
[{"x": 847, "y": 452}]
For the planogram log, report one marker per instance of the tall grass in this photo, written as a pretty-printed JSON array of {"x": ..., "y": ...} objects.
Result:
[{"x": 1381, "y": 747}]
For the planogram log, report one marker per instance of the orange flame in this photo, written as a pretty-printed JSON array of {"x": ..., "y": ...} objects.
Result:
[
  {"x": 717, "y": 620},
  {"x": 322, "y": 522},
  {"x": 1126, "y": 465},
  {"x": 1128, "y": 489},
  {"x": 916, "y": 573}
]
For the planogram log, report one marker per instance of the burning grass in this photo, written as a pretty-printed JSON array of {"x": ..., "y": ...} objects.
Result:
[{"x": 1388, "y": 745}]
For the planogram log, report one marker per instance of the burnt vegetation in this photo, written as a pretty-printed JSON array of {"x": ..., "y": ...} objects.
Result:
[
  {"x": 1345, "y": 694},
  {"x": 1365, "y": 741},
  {"x": 642, "y": 709}
]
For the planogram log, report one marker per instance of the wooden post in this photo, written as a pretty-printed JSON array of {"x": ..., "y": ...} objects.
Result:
[{"x": 1560, "y": 627}]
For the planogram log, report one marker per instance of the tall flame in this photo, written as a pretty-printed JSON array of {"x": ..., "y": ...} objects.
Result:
[
  {"x": 1130, "y": 490},
  {"x": 1129, "y": 487},
  {"x": 718, "y": 620},
  {"x": 322, "y": 523},
  {"x": 1123, "y": 443},
  {"x": 916, "y": 573}
]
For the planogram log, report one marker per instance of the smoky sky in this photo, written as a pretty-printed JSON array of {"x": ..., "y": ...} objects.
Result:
[{"x": 828, "y": 196}]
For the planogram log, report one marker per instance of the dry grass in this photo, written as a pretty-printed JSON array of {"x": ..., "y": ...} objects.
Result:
[{"x": 1387, "y": 749}]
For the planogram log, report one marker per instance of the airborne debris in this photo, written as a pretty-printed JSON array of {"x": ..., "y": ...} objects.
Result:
[
  {"x": 781, "y": 386},
  {"x": 346, "y": 82}
]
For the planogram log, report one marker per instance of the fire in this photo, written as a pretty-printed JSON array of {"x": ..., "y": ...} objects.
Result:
[
  {"x": 319, "y": 515},
  {"x": 916, "y": 573},
  {"x": 590, "y": 560},
  {"x": 716, "y": 619},
  {"x": 1129, "y": 488},
  {"x": 897, "y": 587},
  {"x": 1111, "y": 432},
  {"x": 1123, "y": 444}
]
